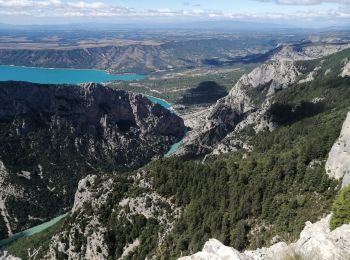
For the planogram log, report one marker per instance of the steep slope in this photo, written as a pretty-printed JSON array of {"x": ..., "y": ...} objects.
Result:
[
  {"x": 244, "y": 99},
  {"x": 53, "y": 135}
]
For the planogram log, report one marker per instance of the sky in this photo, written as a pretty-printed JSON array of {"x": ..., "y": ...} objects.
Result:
[{"x": 301, "y": 13}]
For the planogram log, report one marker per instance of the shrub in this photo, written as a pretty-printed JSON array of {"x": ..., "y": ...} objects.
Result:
[{"x": 341, "y": 209}]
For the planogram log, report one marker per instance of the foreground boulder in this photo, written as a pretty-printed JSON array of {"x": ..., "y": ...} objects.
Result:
[{"x": 316, "y": 242}]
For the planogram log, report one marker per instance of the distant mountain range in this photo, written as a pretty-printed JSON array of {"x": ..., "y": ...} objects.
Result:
[{"x": 224, "y": 25}]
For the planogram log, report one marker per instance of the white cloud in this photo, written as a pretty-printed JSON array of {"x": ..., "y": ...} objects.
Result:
[
  {"x": 85, "y": 5},
  {"x": 82, "y": 9},
  {"x": 306, "y": 2}
]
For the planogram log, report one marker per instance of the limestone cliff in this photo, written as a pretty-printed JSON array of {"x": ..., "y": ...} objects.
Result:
[
  {"x": 346, "y": 69},
  {"x": 338, "y": 163},
  {"x": 54, "y": 135}
]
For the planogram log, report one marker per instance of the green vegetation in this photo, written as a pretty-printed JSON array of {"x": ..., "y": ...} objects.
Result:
[
  {"x": 124, "y": 229},
  {"x": 173, "y": 86},
  {"x": 205, "y": 92},
  {"x": 341, "y": 209}
]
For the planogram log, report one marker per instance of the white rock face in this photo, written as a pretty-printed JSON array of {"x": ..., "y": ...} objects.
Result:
[
  {"x": 7, "y": 189},
  {"x": 83, "y": 193},
  {"x": 310, "y": 76},
  {"x": 6, "y": 256},
  {"x": 346, "y": 70},
  {"x": 279, "y": 74},
  {"x": 288, "y": 52},
  {"x": 215, "y": 250},
  {"x": 316, "y": 242},
  {"x": 338, "y": 163}
]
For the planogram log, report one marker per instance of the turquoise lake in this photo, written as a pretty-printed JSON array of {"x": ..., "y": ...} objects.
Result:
[{"x": 60, "y": 76}]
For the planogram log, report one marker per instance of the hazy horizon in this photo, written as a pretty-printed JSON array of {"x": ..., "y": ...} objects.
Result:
[{"x": 284, "y": 13}]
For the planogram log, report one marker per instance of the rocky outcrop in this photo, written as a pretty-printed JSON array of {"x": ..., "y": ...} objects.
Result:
[
  {"x": 278, "y": 75},
  {"x": 307, "y": 51},
  {"x": 222, "y": 118},
  {"x": 215, "y": 250},
  {"x": 346, "y": 69},
  {"x": 8, "y": 190},
  {"x": 54, "y": 135},
  {"x": 338, "y": 163},
  {"x": 6, "y": 256},
  {"x": 311, "y": 76},
  {"x": 316, "y": 242},
  {"x": 98, "y": 201}
]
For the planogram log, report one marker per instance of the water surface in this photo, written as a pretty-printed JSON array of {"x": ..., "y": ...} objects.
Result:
[
  {"x": 161, "y": 102},
  {"x": 60, "y": 76},
  {"x": 32, "y": 231}
]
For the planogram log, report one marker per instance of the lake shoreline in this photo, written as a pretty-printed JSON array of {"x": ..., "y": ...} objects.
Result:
[
  {"x": 61, "y": 75},
  {"x": 62, "y": 68}
]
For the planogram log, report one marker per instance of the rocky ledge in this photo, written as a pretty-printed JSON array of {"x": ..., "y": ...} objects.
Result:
[{"x": 316, "y": 242}]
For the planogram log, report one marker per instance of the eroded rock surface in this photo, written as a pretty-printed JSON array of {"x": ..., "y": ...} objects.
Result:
[
  {"x": 346, "y": 69},
  {"x": 338, "y": 163}
]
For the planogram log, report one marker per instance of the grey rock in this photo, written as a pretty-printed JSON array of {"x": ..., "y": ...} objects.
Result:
[
  {"x": 307, "y": 51},
  {"x": 4, "y": 255},
  {"x": 338, "y": 162},
  {"x": 346, "y": 69}
]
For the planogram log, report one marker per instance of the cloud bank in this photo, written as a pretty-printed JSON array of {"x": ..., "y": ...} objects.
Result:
[
  {"x": 48, "y": 9},
  {"x": 306, "y": 2}
]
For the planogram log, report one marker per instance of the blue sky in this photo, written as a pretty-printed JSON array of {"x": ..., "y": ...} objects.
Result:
[{"x": 299, "y": 12}]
